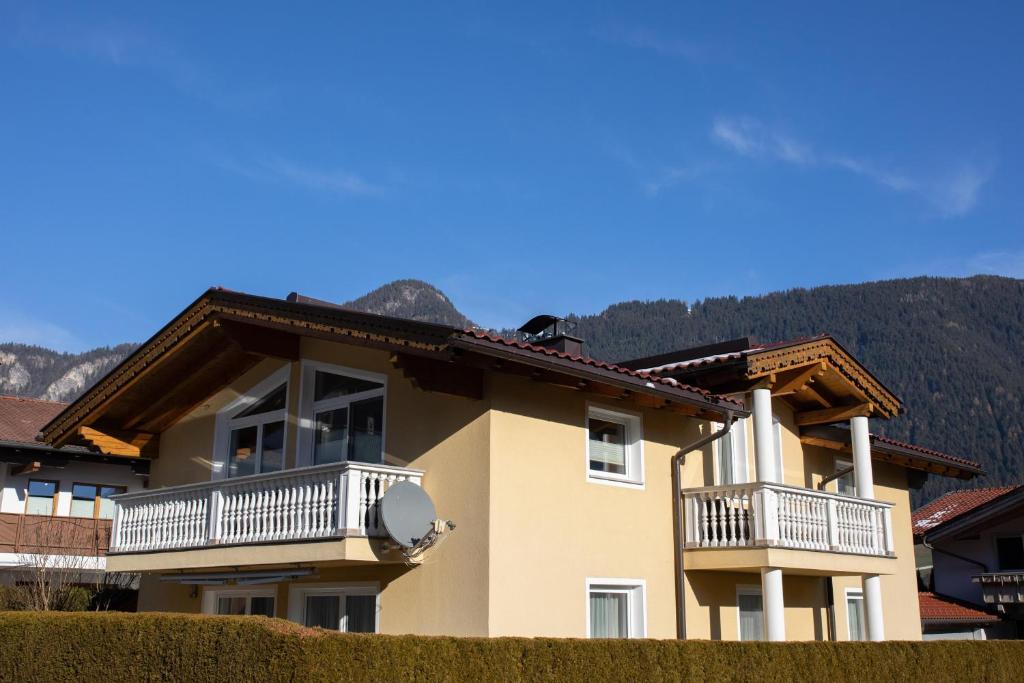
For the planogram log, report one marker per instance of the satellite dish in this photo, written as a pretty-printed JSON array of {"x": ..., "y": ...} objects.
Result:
[{"x": 408, "y": 513}]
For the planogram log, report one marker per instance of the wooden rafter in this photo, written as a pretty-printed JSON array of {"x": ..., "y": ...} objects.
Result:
[
  {"x": 121, "y": 442},
  {"x": 828, "y": 415},
  {"x": 26, "y": 468},
  {"x": 795, "y": 380}
]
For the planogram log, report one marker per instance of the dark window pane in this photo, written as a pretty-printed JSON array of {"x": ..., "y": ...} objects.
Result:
[
  {"x": 607, "y": 446},
  {"x": 275, "y": 400},
  {"x": 361, "y": 613},
  {"x": 231, "y": 606},
  {"x": 41, "y": 488},
  {"x": 330, "y": 431},
  {"x": 1011, "y": 552},
  {"x": 273, "y": 447},
  {"x": 83, "y": 491},
  {"x": 264, "y": 606},
  {"x": 367, "y": 438},
  {"x": 108, "y": 491},
  {"x": 323, "y": 611},
  {"x": 243, "y": 452},
  {"x": 329, "y": 385}
]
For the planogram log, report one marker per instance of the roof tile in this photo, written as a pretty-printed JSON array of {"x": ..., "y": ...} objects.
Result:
[
  {"x": 22, "y": 418},
  {"x": 938, "y": 608},
  {"x": 953, "y": 505}
]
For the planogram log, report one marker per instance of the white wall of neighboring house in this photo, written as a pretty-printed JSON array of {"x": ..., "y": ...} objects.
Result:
[
  {"x": 12, "y": 497},
  {"x": 952, "y": 575}
]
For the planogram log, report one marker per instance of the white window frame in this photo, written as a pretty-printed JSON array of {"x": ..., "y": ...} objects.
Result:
[
  {"x": 843, "y": 463},
  {"x": 211, "y": 596},
  {"x": 748, "y": 589},
  {"x": 634, "y": 450},
  {"x": 309, "y": 408},
  {"x": 854, "y": 594},
  {"x": 636, "y": 602},
  {"x": 738, "y": 440},
  {"x": 224, "y": 423},
  {"x": 297, "y": 593}
]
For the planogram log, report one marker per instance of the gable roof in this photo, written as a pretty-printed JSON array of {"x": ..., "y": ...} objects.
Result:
[
  {"x": 221, "y": 321},
  {"x": 940, "y": 609},
  {"x": 954, "y": 505}
]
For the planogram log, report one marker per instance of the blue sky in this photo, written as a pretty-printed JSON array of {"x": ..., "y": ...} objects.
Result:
[{"x": 524, "y": 159}]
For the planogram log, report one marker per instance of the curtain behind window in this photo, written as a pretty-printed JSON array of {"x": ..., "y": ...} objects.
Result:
[
  {"x": 609, "y": 615},
  {"x": 751, "y": 617},
  {"x": 361, "y": 613},
  {"x": 323, "y": 611},
  {"x": 855, "y": 617}
]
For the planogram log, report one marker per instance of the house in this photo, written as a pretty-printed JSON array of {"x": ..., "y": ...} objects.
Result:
[
  {"x": 971, "y": 553},
  {"x": 710, "y": 493},
  {"x": 56, "y": 504}
]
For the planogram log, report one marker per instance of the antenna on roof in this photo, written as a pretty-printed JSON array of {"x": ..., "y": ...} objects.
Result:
[{"x": 411, "y": 520}]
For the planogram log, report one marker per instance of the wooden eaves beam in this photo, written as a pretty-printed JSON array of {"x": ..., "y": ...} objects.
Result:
[
  {"x": 829, "y": 415},
  {"x": 120, "y": 442},
  {"x": 792, "y": 383}
]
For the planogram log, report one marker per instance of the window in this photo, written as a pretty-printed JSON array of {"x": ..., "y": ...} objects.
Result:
[
  {"x": 240, "y": 601},
  {"x": 846, "y": 485},
  {"x": 751, "y": 613},
  {"x": 351, "y": 608},
  {"x": 93, "y": 500},
  {"x": 616, "y": 608},
  {"x": 256, "y": 442},
  {"x": 347, "y": 411},
  {"x": 1010, "y": 552},
  {"x": 855, "y": 615},
  {"x": 41, "y": 498},
  {"x": 614, "y": 447},
  {"x": 777, "y": 438},
  {"x": 731, "y": 455}
]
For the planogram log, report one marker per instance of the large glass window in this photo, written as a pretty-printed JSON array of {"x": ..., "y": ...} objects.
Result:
[
  {"x": 615, "y": 609},
  {"x": 41, "y": 497},
  {"x": 237, "y": 602},
  {"x": 257, "y": 435},
  {"x": 846, "y": 485},
  {"x": 348, "y": 419},
  {"x": 751, "y": 614},
  {"x": 1010, "y": 552},
  {"x": 855, "y": 615},
  {"x": 351, "y": 608},
  {"x": 93, "y": 500},
  {"x": 731, "y": 455}
]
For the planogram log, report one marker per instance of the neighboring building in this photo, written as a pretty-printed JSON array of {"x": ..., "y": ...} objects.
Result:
[
  {"x": 55, "y": 503},
  {"x": 281, "y": 424},
  {"x": 971, "y": 553}
]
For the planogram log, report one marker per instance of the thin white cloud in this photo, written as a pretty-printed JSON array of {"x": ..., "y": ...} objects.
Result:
[
  {"x": 337, "y": 181},
  {"x": 18, "y": 327},
  {"x": 671, "y": 177},
  {"x": 642, "y": 38},
  {"x": 1008, "y": 263},
  {"x": 952, "y": 195}
]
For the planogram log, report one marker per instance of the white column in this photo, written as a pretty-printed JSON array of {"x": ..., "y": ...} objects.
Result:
[
  {"x": 773, "y": 603},
  {"x": 873, "y": 607},
  {"x": 764, "y": 441},
  {"x": 861, "y": 442}
]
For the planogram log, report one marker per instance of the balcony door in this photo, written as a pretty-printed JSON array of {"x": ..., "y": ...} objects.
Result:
[{"x": 345, "y": 409}]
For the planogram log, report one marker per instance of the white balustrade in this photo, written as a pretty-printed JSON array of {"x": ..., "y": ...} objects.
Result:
[
  {"x": 775, "y": 515},
  {"x": 341, "y": 499}
]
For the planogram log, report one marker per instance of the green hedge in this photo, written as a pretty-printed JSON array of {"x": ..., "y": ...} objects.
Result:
[{"x": 111, "y": 647}]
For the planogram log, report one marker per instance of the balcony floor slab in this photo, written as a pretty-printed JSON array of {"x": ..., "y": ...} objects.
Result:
[{"x": 801, "y": 562}]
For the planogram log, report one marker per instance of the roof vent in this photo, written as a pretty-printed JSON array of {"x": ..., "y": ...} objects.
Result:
[{"x": 552, "y": 332}]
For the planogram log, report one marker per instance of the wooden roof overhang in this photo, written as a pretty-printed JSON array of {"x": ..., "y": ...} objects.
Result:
[
  {"x": 818, "y": 377},
  {"x": 904, "y": 455},
  {"x": 223, "y": 334},
  {"x": 217, "y": 338}
]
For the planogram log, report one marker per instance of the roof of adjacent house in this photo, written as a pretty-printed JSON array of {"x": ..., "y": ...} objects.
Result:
[
  {"x": 954, "y": 505},
  {"x": 940, "y": 609},
  {"x": 21, "y": 418}
]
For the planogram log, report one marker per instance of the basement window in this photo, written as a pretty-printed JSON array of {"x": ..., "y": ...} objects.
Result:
[{"x": 614, "y": 447}]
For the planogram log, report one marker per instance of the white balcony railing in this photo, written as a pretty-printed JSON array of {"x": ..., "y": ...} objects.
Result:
[
  {"x": 775, "y": 515},
  {"x": 308, "y": 503}
]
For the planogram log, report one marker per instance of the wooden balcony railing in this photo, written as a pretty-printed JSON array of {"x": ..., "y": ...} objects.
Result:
[
  {"x": 334, "y": 500},
  {"x": 779, "y": 516},
  {"x": 45, "y": 535}
]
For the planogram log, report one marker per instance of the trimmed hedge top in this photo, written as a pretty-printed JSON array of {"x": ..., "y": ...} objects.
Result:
[{"x": 111, "y": 647}]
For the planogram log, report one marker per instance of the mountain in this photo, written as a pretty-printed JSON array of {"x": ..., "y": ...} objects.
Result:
[
  {"x": 952, "y": 349},
  {"x": 413, "y": 299}
]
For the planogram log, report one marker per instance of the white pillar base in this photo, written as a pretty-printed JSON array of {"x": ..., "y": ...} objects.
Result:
[
  {"x": 774, "y": 604},
  {"x": 873, "y": 607}
]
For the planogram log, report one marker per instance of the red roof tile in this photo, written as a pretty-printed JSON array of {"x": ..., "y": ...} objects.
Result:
[
  {"x": 953, "y": 505},
  {"x": 609, "y": 367},
  {"x": 940, "y": 609},
  {"x": 22, "y": 418}
]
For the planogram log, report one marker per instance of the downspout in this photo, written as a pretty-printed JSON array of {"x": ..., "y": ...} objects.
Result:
[{"x": 677, "y": 514}]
